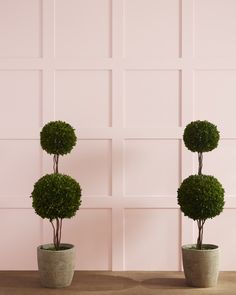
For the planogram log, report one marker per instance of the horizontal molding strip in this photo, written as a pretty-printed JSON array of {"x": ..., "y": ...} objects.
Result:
[
  {"x": 15, "y": 133},
  {"x": 102, "y": 202},
  {"x": 143, "y": 63}
]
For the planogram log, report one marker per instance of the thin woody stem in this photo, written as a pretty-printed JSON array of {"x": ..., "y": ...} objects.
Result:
[
  {"x": 57, "y": 229},
  {"x": 200, "y": 163},
  {"x": 60, "y": 228},
  {"x": 54, "y": 233},
  {"x": 200, "y": 223},
  {"x": 55, "y": 163},
  {"x": 57, "y": 233}
]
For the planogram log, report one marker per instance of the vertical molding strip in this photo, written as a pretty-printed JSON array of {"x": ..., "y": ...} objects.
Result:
[
  {"x": 117, "y": 139},
  {"x": 48, "y": 61},
  {"x": 47, "y": 77},
  {"x": 187, "y": 100}
]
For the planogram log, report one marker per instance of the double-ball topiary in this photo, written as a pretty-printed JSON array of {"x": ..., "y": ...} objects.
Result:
[
  {"x": 56, "y": 196},
  {"x": 201, "y": 196}
]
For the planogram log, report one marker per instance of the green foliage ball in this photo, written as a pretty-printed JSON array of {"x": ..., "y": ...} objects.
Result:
[
  {"x": 56, "y": 196},
  {"x": 58, "y": 138},
  {"x": 201, "y": 197},
  {"x": 201, "y": 136}
]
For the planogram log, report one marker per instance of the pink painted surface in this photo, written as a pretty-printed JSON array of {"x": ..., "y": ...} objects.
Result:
[
  {"x": 143, "y": 161},
  {"x": 75, "y": 100},
  {"x": 147, "y": 239},
  {"x": 142, "y": 89},
  {"x": 147, "y": 26},
  {"x": 128, "y": 75},
  {"x": 90, "y": 164},
  {"x": 20, "y": 29},
  {"x": 83, "y": 28},
  {"x": 90, "y": 232}
]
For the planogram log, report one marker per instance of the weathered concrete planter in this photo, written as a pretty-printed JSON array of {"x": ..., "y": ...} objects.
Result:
[
  {"x": 201, "y": 267},
  {"x": 56, "y": 268}
]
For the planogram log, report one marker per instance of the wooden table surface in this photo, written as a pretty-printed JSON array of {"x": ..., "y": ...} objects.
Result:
[{"x": 107, "y": 282}]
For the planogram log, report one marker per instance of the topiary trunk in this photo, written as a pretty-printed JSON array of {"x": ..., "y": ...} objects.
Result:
[{"x": 200, "y": 222}]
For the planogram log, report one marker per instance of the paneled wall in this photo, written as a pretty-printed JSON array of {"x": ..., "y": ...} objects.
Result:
[{"x": 128, "y": 75}]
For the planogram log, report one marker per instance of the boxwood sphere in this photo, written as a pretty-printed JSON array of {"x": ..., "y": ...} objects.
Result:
[
  {"x": 201, "y": 197},
  {"x": 56, "y": 196},
  {"x": 58, "y": 138},
  {"x": 201, "y": 136}
]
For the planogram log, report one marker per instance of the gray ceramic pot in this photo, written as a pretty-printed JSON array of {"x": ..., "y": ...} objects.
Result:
[
  {"x": 56, "y": 268},
  {"x": 201, "y": 267}
]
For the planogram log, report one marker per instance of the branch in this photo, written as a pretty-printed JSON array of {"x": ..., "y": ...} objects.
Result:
[
  {"x": 200, "y": 163},
  {"x": 54, "y": 233}
]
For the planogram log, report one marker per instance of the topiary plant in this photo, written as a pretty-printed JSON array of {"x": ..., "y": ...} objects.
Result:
[
  {"x": 201, "y": 136},
  {"x": 201, "y": 196},
  {"x": 57, "y": 138},
  {"x": 56, "y": 196}
]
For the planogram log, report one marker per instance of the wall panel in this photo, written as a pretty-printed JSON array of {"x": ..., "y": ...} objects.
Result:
[
  {"x": 83, "y": 28},
  {"x": 147, "y": 246},
  {"x": 20, "y": 167},
  {"x": 149, "y": 23},
  {"x": 75, "y": 101},
  {"x": 143, "y": 89},
  {"x": 22, "y": 93},
  {"x": 143, "y": 161},
  {"x": 90, "y": 163},
  {"x": 221, "y": 163},
  {"x": 90, "y": 232},
  {"x": 215, "y": 89},
  {"x": 21, "y": 29},
  {"x": 215, "y": 28},
  {"x": 218, "y": 230},
  {"x": 21, "y": 233},
  {"x": 128, "y": 75}
]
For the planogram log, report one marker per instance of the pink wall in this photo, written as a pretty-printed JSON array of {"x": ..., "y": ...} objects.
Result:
[{"x": 128, "y": 75}]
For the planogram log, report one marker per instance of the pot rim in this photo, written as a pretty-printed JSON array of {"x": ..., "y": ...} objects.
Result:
[
  {"x": 189, "y": 247},
  {"x": 44, "y": 247}
]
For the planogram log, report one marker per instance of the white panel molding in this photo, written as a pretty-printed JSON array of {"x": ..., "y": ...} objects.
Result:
[
  {"x": 117, "y": 141},
  {"x": 48, "y": 55},
  {"x": 146, "y": 63},
  {"x": 186, "y": 228},
  {"x": 105, "y": 202},
  {"x": 186, "y": 63},
  {"x": 29, "y": 133}
]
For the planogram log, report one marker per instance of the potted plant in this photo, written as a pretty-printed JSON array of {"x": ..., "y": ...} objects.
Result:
[
  {"x": 56, "y": 196},
  {"x": 201, "y": 197}
]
